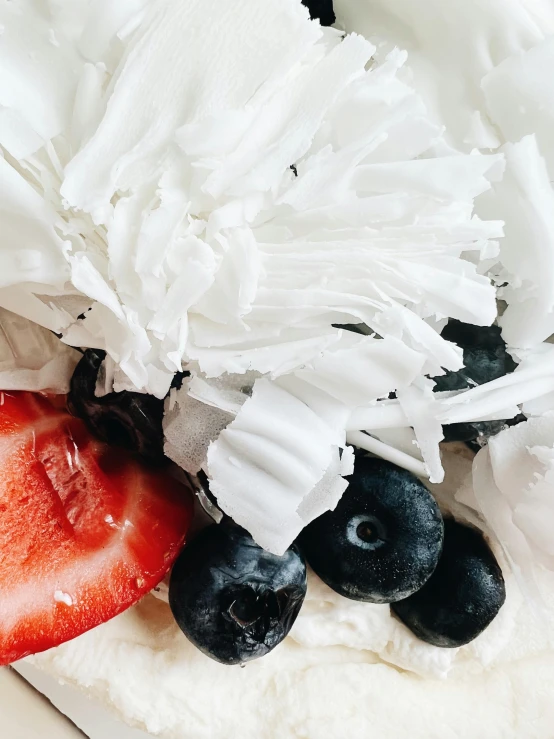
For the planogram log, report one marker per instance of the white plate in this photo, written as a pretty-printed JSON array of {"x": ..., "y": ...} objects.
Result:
[
  {"x": 35, "y": 718},
  {"x": 28, "y": 715}
]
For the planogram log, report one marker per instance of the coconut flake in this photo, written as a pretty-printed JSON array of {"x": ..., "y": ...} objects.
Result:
[
  {"x": 32, "y": 358},
  {"x": 189, "y": 428},
  {"x": 527, "y": 200},
  {"x": 32, "y": 251},
  {"x": 439, "y": 52},
  {"x": 388, "y": 452},
  {"x": 326, "y": 494},
  {"x": 37, "y": 81},
  {"x": 512, "y": 482},
  {"x": 519, "y": 97},
  {"x": 421, "y": 408},
  {"x": 531, "y": 380},
  {"x": 363, "y": 369},
  {"x": 261, "y": 473}
]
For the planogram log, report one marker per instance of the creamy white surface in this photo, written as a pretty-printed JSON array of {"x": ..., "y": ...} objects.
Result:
[
  {"x": 481, "y": 69},
  {"x": 346, "y": 667},
  {"x": 452, "y": 46},
  {"x": 142, "y": 665}
]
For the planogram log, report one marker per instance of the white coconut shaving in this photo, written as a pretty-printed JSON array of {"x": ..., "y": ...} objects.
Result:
[
  {"x": 452, "y": 48},
  {"x": 513, "y": 479},
  {"x": 362, "y": 368},
  {"x": 180, "y": 203},
  {"x": 421, "y": 407},
  {"x": 197, "y": 412},
  {"x": 267, "y": 462},
  {"x": 185, "y": 227},
  {"x": 525, "y": 199},
  {"x": 32, "y": 358}
]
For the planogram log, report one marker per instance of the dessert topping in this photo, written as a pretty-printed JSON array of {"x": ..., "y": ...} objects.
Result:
[
  {"x": 235, "y": 601},
  {"x": 85, "y": 531},
  {"x": 384, "y": 538},
  {"x": 462, "y": 596}
]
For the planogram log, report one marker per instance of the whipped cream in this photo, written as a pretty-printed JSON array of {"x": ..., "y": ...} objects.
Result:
[
  {"x": 142, "y": 666},
  {"x": 346, "y": 664}
]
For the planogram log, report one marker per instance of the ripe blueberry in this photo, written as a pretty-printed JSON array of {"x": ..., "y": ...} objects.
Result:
[
  {"x": 462, "y": 596},
  {"x": 485, "y": 359},
  {"x": 231, "y": 598},
  {"x": 128, "y": 419},
  {"x": 382, "y": 541},
  {"x": 322, "y": 10}
]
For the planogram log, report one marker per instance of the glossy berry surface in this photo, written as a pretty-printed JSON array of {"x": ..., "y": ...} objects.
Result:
[
  {"x": 384, "y": 538},
  {"x": 232, "y": 599},
  {"x": 127, "y": 419},
  {"x": 485, "y": 359},
  {"x": 86, "y": 530},
  {"x": 462, "y": 597},
  {"x": 321, "y": 10}
]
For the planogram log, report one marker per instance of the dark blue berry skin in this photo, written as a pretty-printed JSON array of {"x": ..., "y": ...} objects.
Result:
[
  {"x": 321, "y": 10},
  {"x": 383, "y": 540},
  {"x": 127, "y": 419},
  {"x": 472, "y": 431},
  {"x": 462, "y": 597},
  {"x": 356, "y": 328},
  {"x": 232, "y": 599},
  {"x": 485, "y": 356},
  {"x": 485, "y": 359},
  {"x": 485, "y": 430}
]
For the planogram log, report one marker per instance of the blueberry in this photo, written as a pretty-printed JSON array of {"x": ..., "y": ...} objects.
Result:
[
  {"x": 472, "y": 431},
  {"x": 384, "y": 538},
  {"x": 485, "y": 356},
  {"x": 485, "y": 359},
  {"x": 128, "y": 419},
  {"x": 321, "y": 10},
  {"x": 484, "y": 430},
  {"x": 356, "y": 328},
  {"x": 232, "y": 599},
  {"x": 463, "y": 595}
]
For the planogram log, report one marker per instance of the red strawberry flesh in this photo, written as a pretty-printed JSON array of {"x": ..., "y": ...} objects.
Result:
[{"x": 85, "y": 529}]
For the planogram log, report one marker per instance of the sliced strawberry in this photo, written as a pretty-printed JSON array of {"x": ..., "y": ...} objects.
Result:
[{"x": 85, "y": 530}]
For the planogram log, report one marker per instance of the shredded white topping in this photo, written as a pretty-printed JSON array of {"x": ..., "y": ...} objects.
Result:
[
  {"x": 32, "y": 358},
  {"x": 220, "y": 187},
  {"x": 513, "y": 479}
]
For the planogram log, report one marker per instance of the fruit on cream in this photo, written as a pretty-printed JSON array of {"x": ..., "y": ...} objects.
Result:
[
  {"x": 346, "y": 664},
  {"x": 86, "y": 531},
  {"x": 285, "y": 250}
]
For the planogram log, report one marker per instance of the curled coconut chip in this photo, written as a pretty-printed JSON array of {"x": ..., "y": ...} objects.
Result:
[
  {"x": 274, "y": 477},
  {"x": 32, "y": 358},
  {"x": 195, "y": 240},
  {"x": 260, "y": 203},
  {"x": 513, "y": 478}
]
